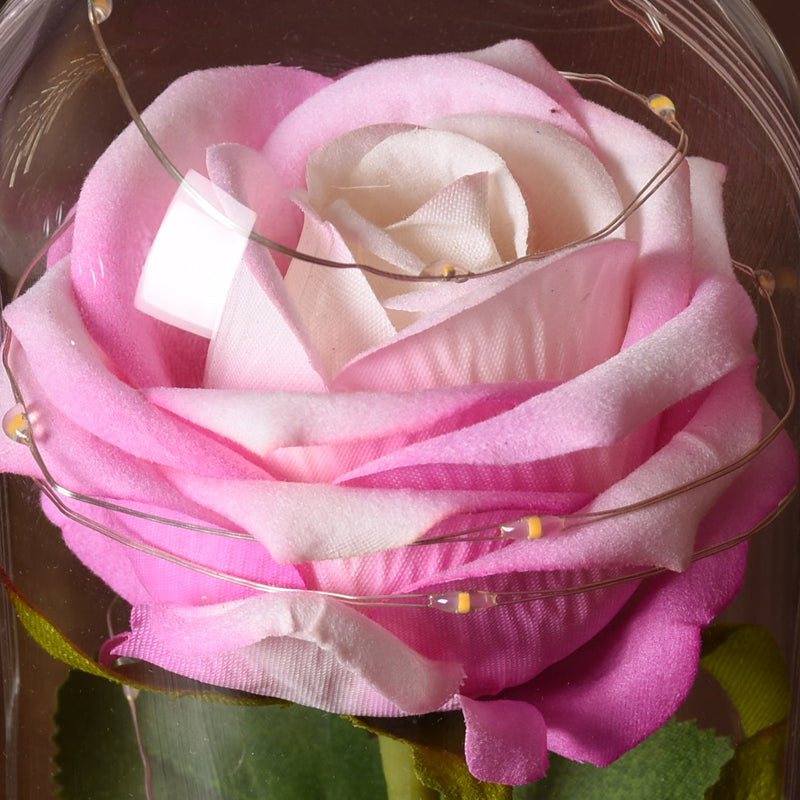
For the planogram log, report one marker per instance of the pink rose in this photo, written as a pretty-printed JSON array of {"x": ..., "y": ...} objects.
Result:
[{"x": 337, "y": 417}]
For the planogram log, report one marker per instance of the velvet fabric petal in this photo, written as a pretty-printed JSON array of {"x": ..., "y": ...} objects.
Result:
[
  {"x": 106, "y": 259},
  {"x": 385, "y": 82},
  {"x": 505, "y": 742}
]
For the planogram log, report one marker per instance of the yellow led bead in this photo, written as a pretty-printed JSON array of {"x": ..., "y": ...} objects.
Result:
[
  {"x": 445, "y": 270},
  {"x": 535, "y": 529},
  {"x": 661, "y": 104},
  {"x": 766, "y": 281},
  {"x": 462, "y": 602},
  {"x": 530, "y": 528},
  {"x": 16, "y": 425}
]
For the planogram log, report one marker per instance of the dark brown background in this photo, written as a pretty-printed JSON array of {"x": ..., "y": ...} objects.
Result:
[{"x": 783, "y": 17}]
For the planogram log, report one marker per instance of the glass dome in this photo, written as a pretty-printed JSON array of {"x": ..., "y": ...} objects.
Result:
[{"x": 736, "y": 97}]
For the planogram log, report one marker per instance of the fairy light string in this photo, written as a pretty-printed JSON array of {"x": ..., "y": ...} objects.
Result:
[{"x": 17, "y": 424}]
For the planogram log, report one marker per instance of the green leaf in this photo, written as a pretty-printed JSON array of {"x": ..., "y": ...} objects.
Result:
[
  {"x": 448, "y": 774},
  {"x": 47, "y": 635},
  {"x": 97, "y": 756},
  {"x": 208, "y": 751},
  {"x": 748, "y": 664},
  {"x": 677, "y": 761},
  {"x": 436, "y": 744},
  {"x": 756, "y": 770},
  {"x": 402, "y": 782}
]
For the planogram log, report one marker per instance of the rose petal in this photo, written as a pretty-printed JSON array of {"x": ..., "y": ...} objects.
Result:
[
  {"x": 519, "y": 57},
  {"x": 454, "y": 225},
  {"x": 249, "y": 177},
  {"x": 144, "y": 578},
  {"x": 265, "y": 421},
  {"x": 341, "y": 314},
  {"x": 302, "y": 648},
  {"x": 709, "y": 241},
  {"x": 342, "y": 108},
  {"x": 567, "y": 191},
  {"x": 506, "y": 741},
  {"x": 662, "y": 225},
  {"x": 500, "y": 331},
  {"x": 400, "y": 188},
  {"x": 300, "y": 522},
  {"x": 260, "y": 345},
  {"x": 596, "y": 408},
  {"x": 73, "y": 374},
  {"x": 107, "y": 259},
  {"x": 626, "y": 682}
]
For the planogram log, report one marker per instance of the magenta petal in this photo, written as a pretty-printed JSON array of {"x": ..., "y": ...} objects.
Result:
[
  {"x": 506, "y": 741},
  {"x": 629, "y": 679},
  {"x": 626, "y": 682}
]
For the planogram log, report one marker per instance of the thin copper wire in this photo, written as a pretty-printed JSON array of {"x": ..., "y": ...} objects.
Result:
[{"x": 55, "y": 491}]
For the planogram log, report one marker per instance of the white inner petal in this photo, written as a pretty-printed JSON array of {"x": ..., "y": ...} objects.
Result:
[
  {"x": 567, "y": 191},
  {"x": 454, "y": 225},
  {"x": 339, "y": 309},
  {"x": 397, "y": 177}
]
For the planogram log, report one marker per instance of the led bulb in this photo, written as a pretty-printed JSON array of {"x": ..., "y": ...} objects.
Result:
[
  {"x": 101, "y": 9},
  {"x": 766, "y": 281},
  {"x": 661, "y": 104},
  {"x": 16, "y": 425},
  {"x": 462, "y": 602},
  {"x": 530, "y": 528},
  {"x": 445, "y": 270}
]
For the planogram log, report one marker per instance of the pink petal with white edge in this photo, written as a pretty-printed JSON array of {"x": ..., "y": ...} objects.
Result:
[
  {"x": 506, "y": 741},
  {"x": 519, "y": 57},
  {"x": 303, "y": 648},
  {"x": 206, "y": 560},
  {"x": 265, "y": 421},
  {"x": 662, "y": 534},
  {"x": 598, "y": 407},
  {"x": 300, "y": 522},
  {"x": 107, "y": 259},
  {"x": 341, "y": 108},
  {"x": 710, "y": 242},
  {"x": 663, "y": 225},
  {"x": 500, "y": 331},
  {"x": 76, "y": 378}
]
